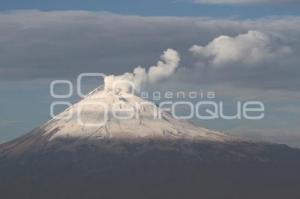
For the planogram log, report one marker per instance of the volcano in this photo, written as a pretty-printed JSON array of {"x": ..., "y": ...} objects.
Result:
[{"x": 117, "y": 145}]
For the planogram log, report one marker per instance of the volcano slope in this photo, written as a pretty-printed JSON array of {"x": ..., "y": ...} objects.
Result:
[{"x": 141, "y": 158}]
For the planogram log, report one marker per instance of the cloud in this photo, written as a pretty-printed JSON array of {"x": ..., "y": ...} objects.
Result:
[
  {"x": 244, "y": 1},
  {"x": 278, "y": 134},
  {"x": 255, "y": 59},
  {"x": 62, "y": 44},
  {"x": 251, "y": 48},
  {"x": 9, "y": 123},
  {"x": 289, "y": 109},
  {"x": 163, "y": 69}
]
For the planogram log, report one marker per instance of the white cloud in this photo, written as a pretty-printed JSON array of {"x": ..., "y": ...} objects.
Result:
[
  {"x": 251, "y": 48},
  {"x": 63, "y": 44},
  {"x": 163, "y": 69},
  {"x": 244, "y": 1}
]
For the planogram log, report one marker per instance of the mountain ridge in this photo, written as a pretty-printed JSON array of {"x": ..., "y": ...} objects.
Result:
[{"x": 173, "y": 159}]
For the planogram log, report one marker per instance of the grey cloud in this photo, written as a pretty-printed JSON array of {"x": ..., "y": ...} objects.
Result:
[
  {"x": 252, "y": 48},
  {"x": 277, "y": 135},
  {"x": 252, "y": 59},
  {"x": 62, "y": 44},
  {"x": 50, "y": 44}
]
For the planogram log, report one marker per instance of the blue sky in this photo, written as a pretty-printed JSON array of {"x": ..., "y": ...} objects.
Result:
[
  {"x": 39, "y": 44},
  {"x": 157, "y": 7}
]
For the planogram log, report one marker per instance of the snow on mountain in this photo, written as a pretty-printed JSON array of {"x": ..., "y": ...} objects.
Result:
[
  {"x": 105, "y": 113},
  {"x": 84, "y": 154}
]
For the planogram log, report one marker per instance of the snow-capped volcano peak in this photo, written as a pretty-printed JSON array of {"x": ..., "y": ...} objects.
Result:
[{"x": 109, "y": 114}]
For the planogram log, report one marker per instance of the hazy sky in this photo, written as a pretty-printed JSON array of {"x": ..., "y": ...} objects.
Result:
[{"x": 242, "y": 49}]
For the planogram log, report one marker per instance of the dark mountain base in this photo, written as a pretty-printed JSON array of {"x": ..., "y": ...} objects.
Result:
[{"x": 153, "y": 170}]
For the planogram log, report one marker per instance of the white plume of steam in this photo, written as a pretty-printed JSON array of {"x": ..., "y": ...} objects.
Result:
[{"x": 164, "y": 68}]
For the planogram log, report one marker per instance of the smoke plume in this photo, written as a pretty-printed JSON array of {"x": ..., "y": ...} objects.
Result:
[{"x": 140, "y": 76}]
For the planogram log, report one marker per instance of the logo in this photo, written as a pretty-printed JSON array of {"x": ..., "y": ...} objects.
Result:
[{"x": 182, "y": 105}]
